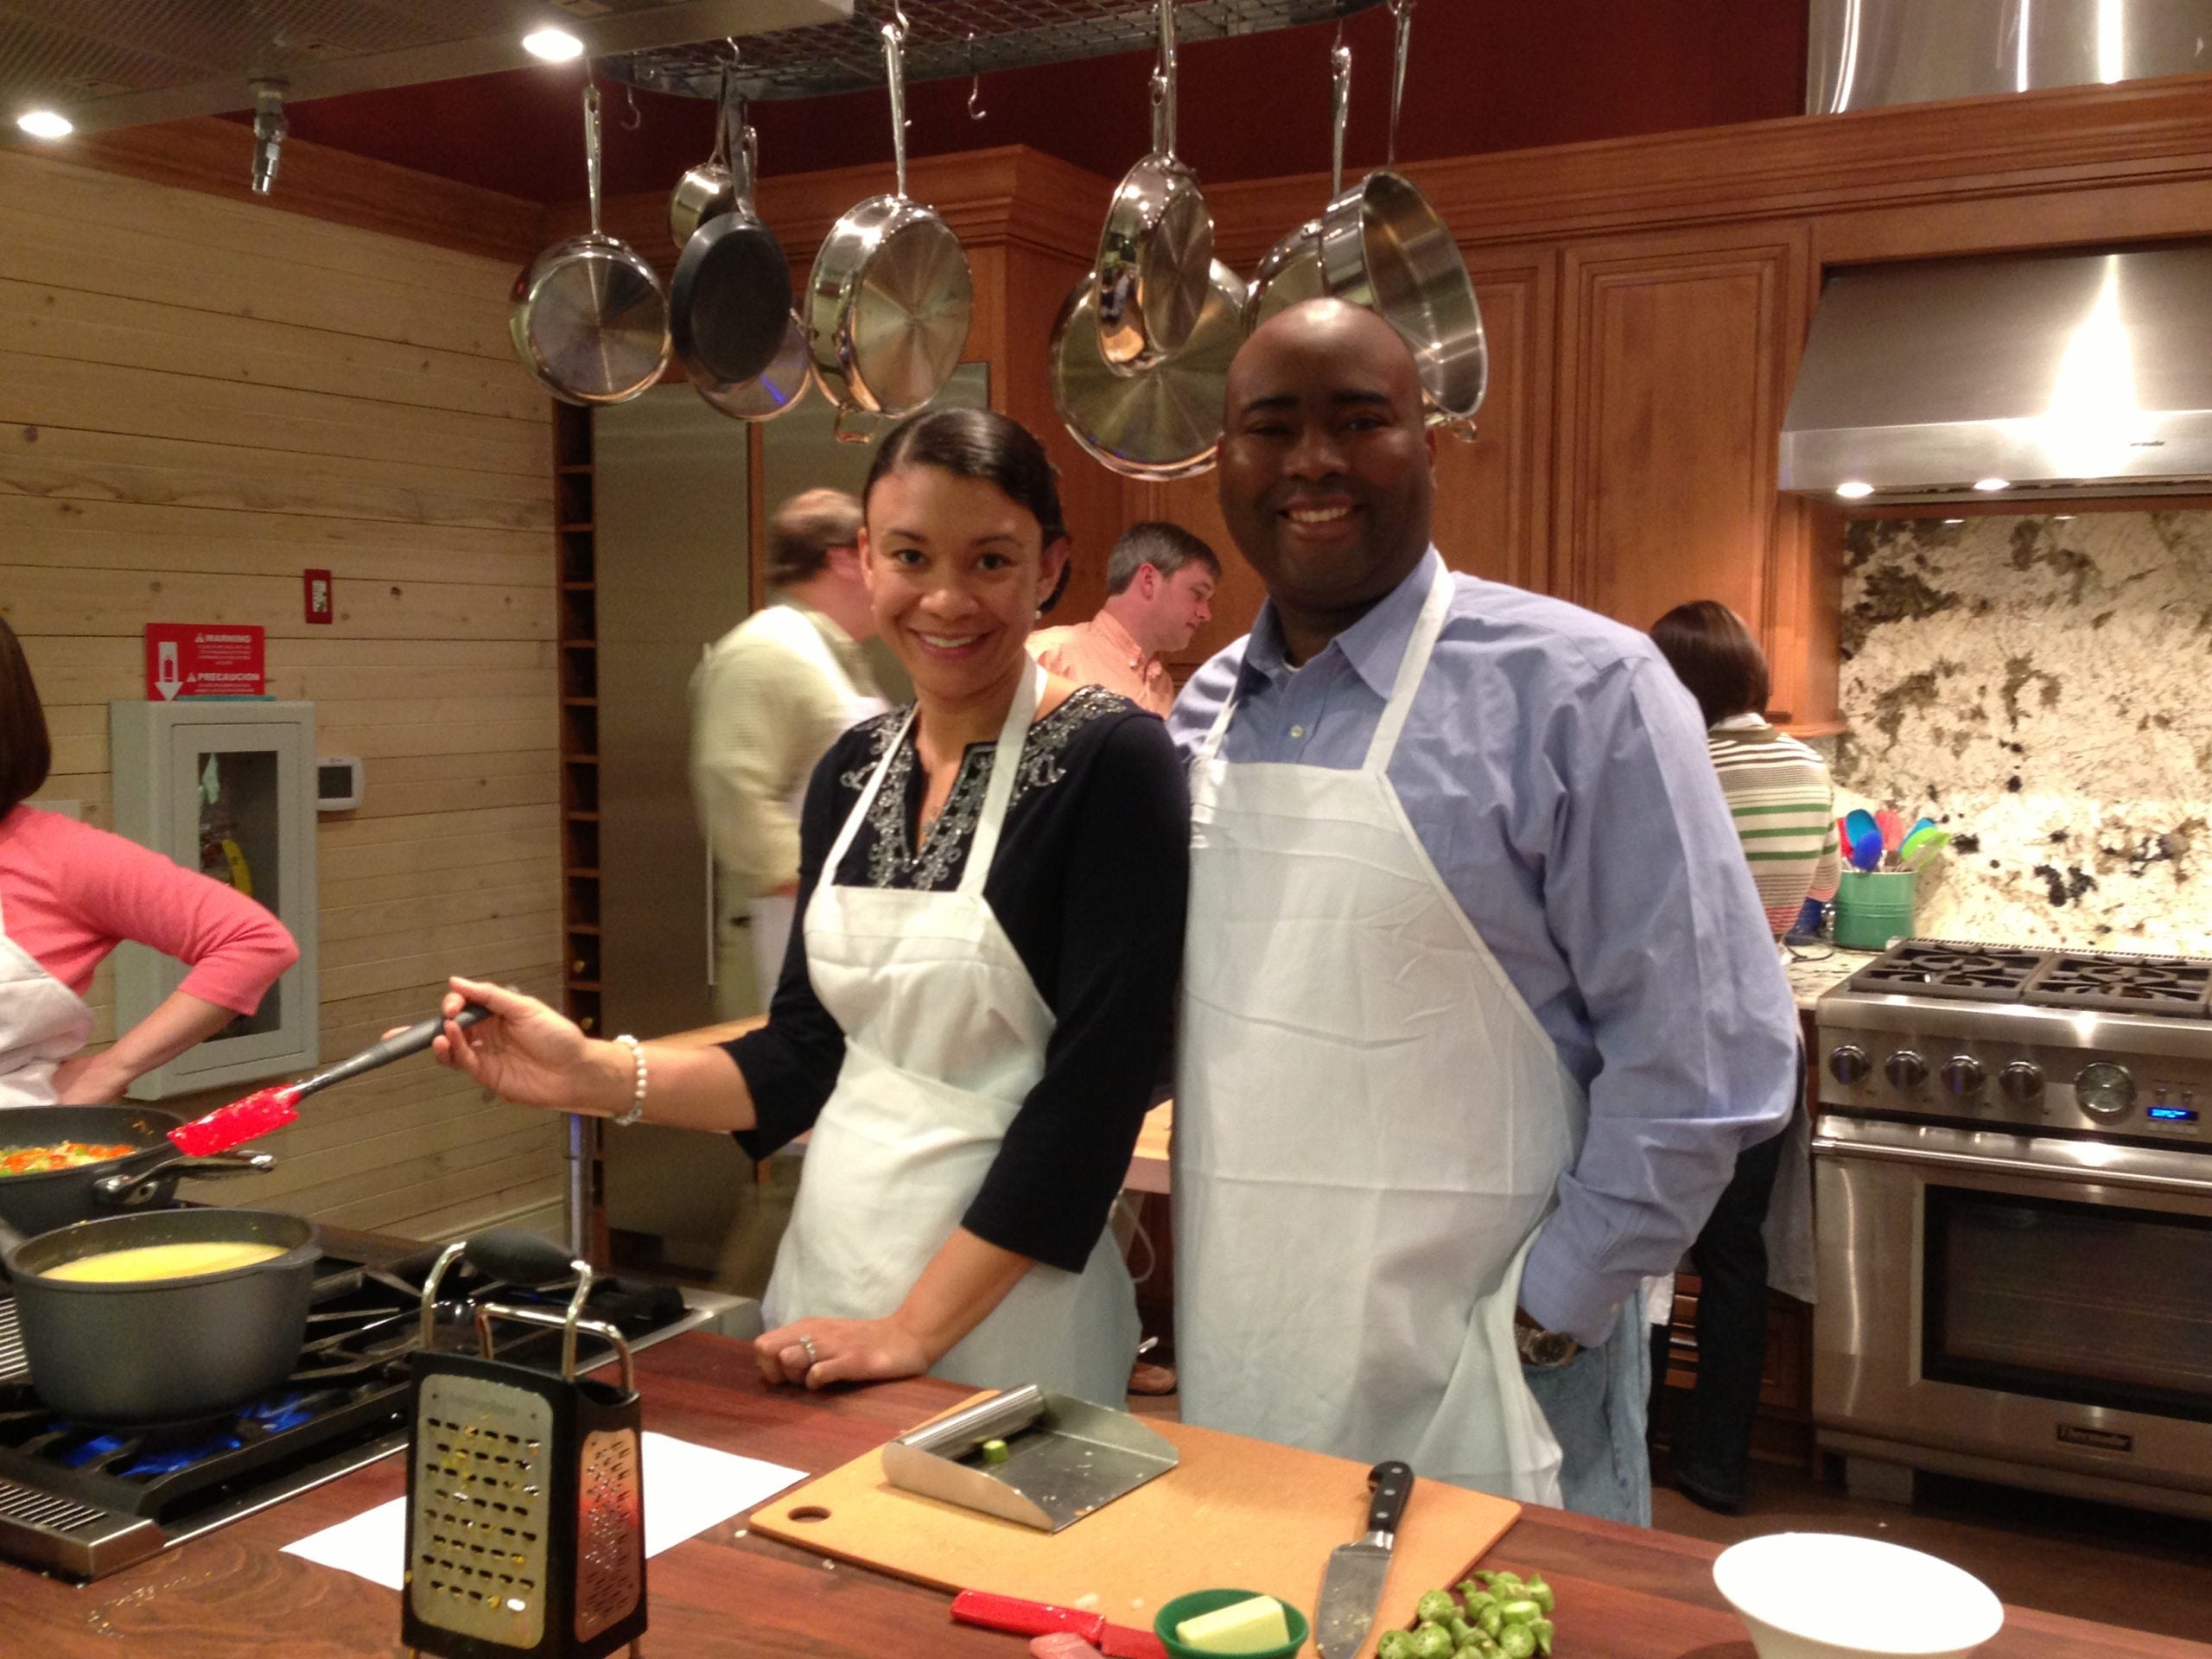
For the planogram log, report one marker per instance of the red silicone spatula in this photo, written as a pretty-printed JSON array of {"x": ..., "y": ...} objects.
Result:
[{"x": 274, "y": 1107}]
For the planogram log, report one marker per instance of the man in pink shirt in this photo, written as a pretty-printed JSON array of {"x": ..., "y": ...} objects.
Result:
[{"x": 1159, "y": 584}]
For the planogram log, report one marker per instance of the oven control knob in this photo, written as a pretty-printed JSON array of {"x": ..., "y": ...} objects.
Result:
[
  {"x": 1905, "y": 1070},
  {"x": 1963, "y": 1077},
  {"x": 1848, "y": 1063},
  {"x": 2104, "y": 1090},
  {"x": 2021, "y": 1081}
]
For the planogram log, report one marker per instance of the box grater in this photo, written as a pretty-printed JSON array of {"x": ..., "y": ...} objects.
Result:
[{"x": 526, "y": 1492}]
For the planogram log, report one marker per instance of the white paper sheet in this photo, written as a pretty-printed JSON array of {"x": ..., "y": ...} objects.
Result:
[{"x": 688, "y": 1489}]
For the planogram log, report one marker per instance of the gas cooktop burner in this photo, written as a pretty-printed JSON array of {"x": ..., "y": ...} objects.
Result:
[
  {"x": 88, "y": 1498},
  {"x": 2124, "y": 984},
  {"x": 1984, "y": 973}
]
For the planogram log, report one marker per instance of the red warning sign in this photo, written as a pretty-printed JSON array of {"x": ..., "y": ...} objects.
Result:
[{"x": 203, "y": 659}]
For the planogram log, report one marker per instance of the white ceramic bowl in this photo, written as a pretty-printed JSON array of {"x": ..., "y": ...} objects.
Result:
[{"x": 1827, "y": 1595}]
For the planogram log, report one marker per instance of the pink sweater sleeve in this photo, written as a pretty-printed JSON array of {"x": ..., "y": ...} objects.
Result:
[{"x": 113, "y": 889}]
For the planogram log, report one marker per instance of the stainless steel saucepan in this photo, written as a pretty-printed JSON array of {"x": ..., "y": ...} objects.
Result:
[
  {"x": 890, "y": 297},
  {"x": 709, "y": 190},
  {"x": 1384, "y": 247},
  {"x": 1156, "y": 255},
  {"x": 1292, "y": 271},
  {"x": 589, "y": 317}
]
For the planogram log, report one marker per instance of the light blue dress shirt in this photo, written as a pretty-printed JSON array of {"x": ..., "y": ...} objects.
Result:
[{"x": 1556, "y": 772}]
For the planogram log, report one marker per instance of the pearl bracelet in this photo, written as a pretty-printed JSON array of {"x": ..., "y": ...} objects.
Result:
[{"x": 637, "y": 1107}]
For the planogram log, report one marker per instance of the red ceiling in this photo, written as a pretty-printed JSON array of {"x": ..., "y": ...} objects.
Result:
[{"x": 1486, "y": 75}]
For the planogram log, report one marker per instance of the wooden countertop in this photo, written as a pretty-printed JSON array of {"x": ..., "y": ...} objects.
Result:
[{"x": 1624, "y": 1593}]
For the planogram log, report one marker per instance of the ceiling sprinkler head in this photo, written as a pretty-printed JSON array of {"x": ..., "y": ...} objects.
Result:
[{"x": 270, "y": 127}]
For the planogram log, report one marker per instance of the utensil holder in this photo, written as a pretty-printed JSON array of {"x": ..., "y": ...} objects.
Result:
[{"x": 1873, "y": 908}]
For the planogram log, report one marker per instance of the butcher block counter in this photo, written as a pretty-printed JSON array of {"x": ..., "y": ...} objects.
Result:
[{"x": 1623, "y": 1593}]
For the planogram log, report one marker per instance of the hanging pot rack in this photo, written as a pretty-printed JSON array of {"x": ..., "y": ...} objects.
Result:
[{"x": 949, "y": 38}]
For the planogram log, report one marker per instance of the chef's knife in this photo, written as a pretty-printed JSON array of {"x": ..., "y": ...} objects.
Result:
[
  {"x": 1353, "y": 1587},
  {"x": 1038, "y": 1617}
]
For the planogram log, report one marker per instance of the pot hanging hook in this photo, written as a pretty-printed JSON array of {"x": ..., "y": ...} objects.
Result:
[{"x": 976, "y": 112}]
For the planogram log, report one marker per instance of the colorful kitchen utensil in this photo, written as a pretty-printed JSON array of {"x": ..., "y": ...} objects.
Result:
[
  {"x": 1921, "y": 845},
  {"x": 1893, "y": 826},
  {"x": 1866, "y": 847}
]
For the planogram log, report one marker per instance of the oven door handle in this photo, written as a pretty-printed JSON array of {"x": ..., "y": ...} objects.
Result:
[{"x": 2015, "y": 1167}]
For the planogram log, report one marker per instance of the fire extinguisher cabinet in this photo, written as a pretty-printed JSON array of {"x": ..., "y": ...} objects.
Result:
[{"x": 225, "y": 788}]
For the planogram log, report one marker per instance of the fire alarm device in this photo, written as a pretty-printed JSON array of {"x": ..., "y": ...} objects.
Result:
[
  {"x": 317, "y": 583},
  {"x": 337, "y": 783}
]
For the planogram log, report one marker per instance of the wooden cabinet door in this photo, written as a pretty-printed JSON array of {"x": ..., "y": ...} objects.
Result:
[
  {"x": 1493, "y": 502},
  {"x": 1676, "y": 355}
]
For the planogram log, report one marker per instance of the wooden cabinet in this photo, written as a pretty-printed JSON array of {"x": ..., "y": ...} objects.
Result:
[
  {"x": 1494, "y": 506},
  {"x": 1676, "y": 354}
]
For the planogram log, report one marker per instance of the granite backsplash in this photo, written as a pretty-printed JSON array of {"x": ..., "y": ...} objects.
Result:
[{"x": 2042, "y": 686}]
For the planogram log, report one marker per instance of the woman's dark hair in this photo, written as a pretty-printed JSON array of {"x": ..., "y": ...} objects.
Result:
[
  {"x": 1713, "y": 654},
  {"x": 26, "y": 750},
  {"x": 976, "y": 443}
]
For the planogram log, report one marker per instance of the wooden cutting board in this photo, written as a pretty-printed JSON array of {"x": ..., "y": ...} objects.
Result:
[{"x": 1233, "y": 1513}]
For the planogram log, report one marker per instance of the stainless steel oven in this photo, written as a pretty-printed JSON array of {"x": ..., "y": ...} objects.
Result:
[{"x": 2015, "y": 1215}]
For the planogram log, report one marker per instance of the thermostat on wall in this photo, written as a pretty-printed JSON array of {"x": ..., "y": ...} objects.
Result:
[{"x": 337, "y": 783}]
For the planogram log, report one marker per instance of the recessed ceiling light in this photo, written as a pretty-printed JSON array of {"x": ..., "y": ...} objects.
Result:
[
  {"x": 46, "y": 124},
  {"x": 1852, "y": 489},
  {"x": 554, "y": 45},
  {"x": 1993, "y": 484},
  {"x": 1954, "y": 521}
]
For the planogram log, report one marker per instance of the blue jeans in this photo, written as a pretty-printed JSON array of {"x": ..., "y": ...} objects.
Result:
[{"x": 1595, "y": 1404}]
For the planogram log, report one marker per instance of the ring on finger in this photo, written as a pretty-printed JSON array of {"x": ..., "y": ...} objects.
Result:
[{"x": 812, "y": 1358}]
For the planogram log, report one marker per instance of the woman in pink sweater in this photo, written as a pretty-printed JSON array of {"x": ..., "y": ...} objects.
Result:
[{"x": 69, "y": 894}]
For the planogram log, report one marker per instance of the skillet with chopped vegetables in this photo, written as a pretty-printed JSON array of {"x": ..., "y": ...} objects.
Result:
[
  {"x": 1491, "y": 1615},
  {"x": 58, "y": 1154}
]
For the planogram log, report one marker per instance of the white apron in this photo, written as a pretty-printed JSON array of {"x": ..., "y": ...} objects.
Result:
[
  {"x": 773, "y": 913},
  {"x": 944, "y": 1036},
  {"x": 1369, "y": 1123},
  {"x": 42, "y": 1023}
]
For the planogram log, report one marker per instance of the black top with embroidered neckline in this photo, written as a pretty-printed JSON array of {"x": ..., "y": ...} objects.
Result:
[{"x": 1090, "y": 883}]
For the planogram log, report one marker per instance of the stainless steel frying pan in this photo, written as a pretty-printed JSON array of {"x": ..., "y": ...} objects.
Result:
[
  {"x": 1384, "y": 247},
  {"x": 775, "y": 390},
  {"x": 1156, "y": 253},
  {"x": 589, "y": 317},
  {"x": 890, "y": 297},
  {"x": 1164, "y": 421},
  {"x": 1292, "y": 271}
]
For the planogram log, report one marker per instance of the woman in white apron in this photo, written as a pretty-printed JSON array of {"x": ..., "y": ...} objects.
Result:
[
  {"x": 975, "y": 1011},
  {"x": 69, "y": 894}
]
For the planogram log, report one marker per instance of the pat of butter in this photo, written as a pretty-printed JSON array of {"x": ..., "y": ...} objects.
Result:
[{"x": 1253, "y": 1626}]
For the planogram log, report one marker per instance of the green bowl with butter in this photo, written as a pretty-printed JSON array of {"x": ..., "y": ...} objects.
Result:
[{"x": 1170, "y": 1619}]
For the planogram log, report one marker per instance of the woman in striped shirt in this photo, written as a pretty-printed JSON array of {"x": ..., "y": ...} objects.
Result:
[{"x": 1784, "y": 808}]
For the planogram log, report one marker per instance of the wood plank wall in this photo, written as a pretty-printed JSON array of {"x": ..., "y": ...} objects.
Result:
[{"x": 200, "y": 398}]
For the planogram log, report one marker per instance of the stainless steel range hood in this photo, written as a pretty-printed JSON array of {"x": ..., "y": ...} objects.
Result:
[{"x": 2043, "y": 375}]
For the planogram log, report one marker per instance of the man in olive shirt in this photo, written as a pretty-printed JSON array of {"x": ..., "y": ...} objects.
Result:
[{"x": 771, "y": 698}]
